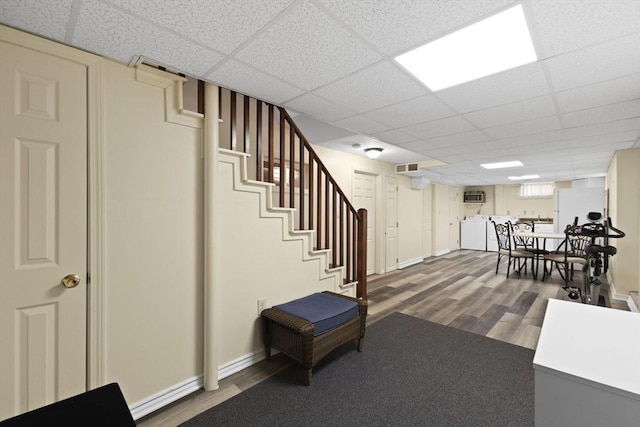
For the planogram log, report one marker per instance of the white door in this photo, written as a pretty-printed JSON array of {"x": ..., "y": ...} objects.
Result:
[
  {"x": 427, "y": 215},
  {"x": 454, "y": 218},
  {"x": 43, "y": 228},
  {"x": 391, "y": 224},
  {"x": 364, "y": 196}
]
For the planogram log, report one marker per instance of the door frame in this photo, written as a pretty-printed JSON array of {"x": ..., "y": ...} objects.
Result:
[
  {"x": 95, "y": 195},
  {"x": 378, "y": 268}
]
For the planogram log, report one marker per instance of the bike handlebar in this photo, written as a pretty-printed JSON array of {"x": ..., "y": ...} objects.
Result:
[{"x": 596, "y": 229}]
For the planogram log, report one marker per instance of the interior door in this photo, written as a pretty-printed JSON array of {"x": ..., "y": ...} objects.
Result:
[
  {"x": 454, "y": 218},
  {"x": 364, "y": 196},
  {"x": 43, "y": 229},
  {"x": 391, "y": 224}
]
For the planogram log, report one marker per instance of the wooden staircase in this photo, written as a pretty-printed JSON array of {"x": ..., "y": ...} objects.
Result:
[
  {"x": 274, "y": 159},
  {"x": 268, "y": 209}
]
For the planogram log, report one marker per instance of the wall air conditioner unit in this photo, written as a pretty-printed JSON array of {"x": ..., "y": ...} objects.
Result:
[
  {"x": 474, "y": 197},
  {"x": 407, "y": 168}
]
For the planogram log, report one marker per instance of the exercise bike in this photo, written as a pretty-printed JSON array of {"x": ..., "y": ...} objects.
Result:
[{"x": 597, "y": 255}]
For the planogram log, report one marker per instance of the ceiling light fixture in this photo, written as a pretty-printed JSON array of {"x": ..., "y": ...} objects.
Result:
[
  {"x": 495, "y": 44},
  {"x": 373, "y": 153},
  {"x": 517, "y": 178},
  {"x": 501, "y": 165}
]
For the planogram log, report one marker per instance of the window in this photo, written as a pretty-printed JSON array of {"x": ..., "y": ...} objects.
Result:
[{"x": 537, "y": 190}]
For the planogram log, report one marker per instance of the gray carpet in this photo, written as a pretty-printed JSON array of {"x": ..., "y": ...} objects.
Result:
[{"x": 411, "y": 372}]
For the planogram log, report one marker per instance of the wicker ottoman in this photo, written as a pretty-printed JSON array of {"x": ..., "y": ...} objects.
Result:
[{"x": 295, "y": 337}]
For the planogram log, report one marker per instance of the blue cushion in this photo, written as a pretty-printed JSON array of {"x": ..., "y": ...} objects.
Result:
[{"x": 324, "y": 311}]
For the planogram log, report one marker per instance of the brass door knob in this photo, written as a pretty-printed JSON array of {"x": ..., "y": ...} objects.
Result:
[{"x": 70, "y": 281}]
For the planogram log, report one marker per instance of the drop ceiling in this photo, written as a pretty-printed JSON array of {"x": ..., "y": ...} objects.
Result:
[{"x": 330, "y": 62}]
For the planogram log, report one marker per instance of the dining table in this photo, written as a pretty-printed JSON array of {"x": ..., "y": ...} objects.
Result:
[{"x": 540, "y": 239}]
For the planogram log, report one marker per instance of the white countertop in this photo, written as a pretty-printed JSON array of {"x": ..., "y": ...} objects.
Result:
[{"x": 590, "y": 343}]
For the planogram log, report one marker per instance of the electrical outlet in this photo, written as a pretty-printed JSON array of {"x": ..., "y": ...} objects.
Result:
[{"x": 262, "y": 305}]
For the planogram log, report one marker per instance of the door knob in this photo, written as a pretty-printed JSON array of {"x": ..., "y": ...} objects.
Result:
[{"x": 70, "y": 281}]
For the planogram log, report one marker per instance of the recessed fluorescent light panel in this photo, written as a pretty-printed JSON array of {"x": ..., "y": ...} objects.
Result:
[
  {"x": 502, "y": 165},
  {"x": 517, "y": 178},
  {"x": 495, "y": 44}
]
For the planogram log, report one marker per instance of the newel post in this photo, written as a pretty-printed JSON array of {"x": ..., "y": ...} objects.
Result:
[{"x": 362, "y": 254}]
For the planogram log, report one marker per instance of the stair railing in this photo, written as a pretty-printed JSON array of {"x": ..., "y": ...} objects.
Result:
[{"x": 283, "y": 156}]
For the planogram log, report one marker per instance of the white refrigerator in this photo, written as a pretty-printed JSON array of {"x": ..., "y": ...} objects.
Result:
[{"x": 576, "y": 202}]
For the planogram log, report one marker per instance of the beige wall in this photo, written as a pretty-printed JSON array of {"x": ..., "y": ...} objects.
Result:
[
  {"x": 410, "y": 220},
  {"x": 486, "y": 208},
  {"x": 623, "y": 184},
  {"x": 256, "y": 263},
  {"x": 440, "y": 219},
  {"x": 506, "y": 200},
  {"x": 153, "y": 184}
]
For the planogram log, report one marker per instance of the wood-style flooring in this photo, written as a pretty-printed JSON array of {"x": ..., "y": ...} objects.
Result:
[{"x": 460, "y": 289}]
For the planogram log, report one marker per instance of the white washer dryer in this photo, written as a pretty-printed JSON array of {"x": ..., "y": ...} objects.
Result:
[
  {"x": 473, "y": 232},
  {"x": 492, "y": 239}
]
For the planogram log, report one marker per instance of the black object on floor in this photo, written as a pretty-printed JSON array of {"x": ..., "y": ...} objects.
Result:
[
  {"x": 412, "y": 372},
  {"x": 101, "y": 407}
]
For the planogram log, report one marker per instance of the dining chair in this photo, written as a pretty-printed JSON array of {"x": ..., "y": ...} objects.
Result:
[
  {"x": 506, "y": 248},
  {"x": 529, "y": 244},
  {"x": 572, "y": 250}
]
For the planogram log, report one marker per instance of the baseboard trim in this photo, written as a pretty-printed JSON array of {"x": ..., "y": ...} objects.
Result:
[
  {"x": 410, "y": 262},
  {"x": 241, "y": 363},
  {"x": 178, "y": 391},
  {"x": 621, "y": 297},
  {"x": 442, "y": 252},
  {"x": 165, "y": 397}
]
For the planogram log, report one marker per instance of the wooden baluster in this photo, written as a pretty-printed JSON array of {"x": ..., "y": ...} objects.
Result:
[
  {"x": 319, "y": 208},
  {"x": 283, "y": 174},
  {"x": 271, "y": 142},
  {"x": 259, "y": 157},
  {"x": 301, "y": 185},
  {"x": 327, "y": 214},
  {"x": 232, "y": 121},
  {"x": 341, "y": 240},
  {"x": 361, "y": 291},
  {"x": 292, "y": 166},
  {"x": 334, "y": 215},
  {"x": 246, "y": 117},
  {"x": 311, "y": 192},
  {"x": 348, "y": 236}
]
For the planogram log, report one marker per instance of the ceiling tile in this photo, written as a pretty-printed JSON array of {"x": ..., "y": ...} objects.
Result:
[
  {"x": 604, "y": 128},
  {"x": 46, "y": 18},
  {"x": 379, "y": 85},
  {"x": 606, "y": 113},
  {"x": 514, "y": 112},
  {"x": 362, "y": 124},
  {"x": 419, "y": 146},
  {"x": 118, "y": 35},
  {"x": 410, "y": 112},
  {"x": 607, "y": 139},
  {"x": 235, "y": 75},
  {"x": 606, "y": 61},
  {"x": 221, "y": 25},
  {"x": 476, "y": 147},
  {"x": 564, "y": 26},
  {"x": 603, "y": 93},
  {"x": 509, "y": 86},
  {"x": 458, "y": 139},
  {"x": 539, "y": 125},
  {"x": 448, "y": 126},
  {"x": 333, "y": 51},
  {"x": 395, "y": 26},
  {"x": 394, "y": 136},
  {"x": 318, "y": 108}
]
